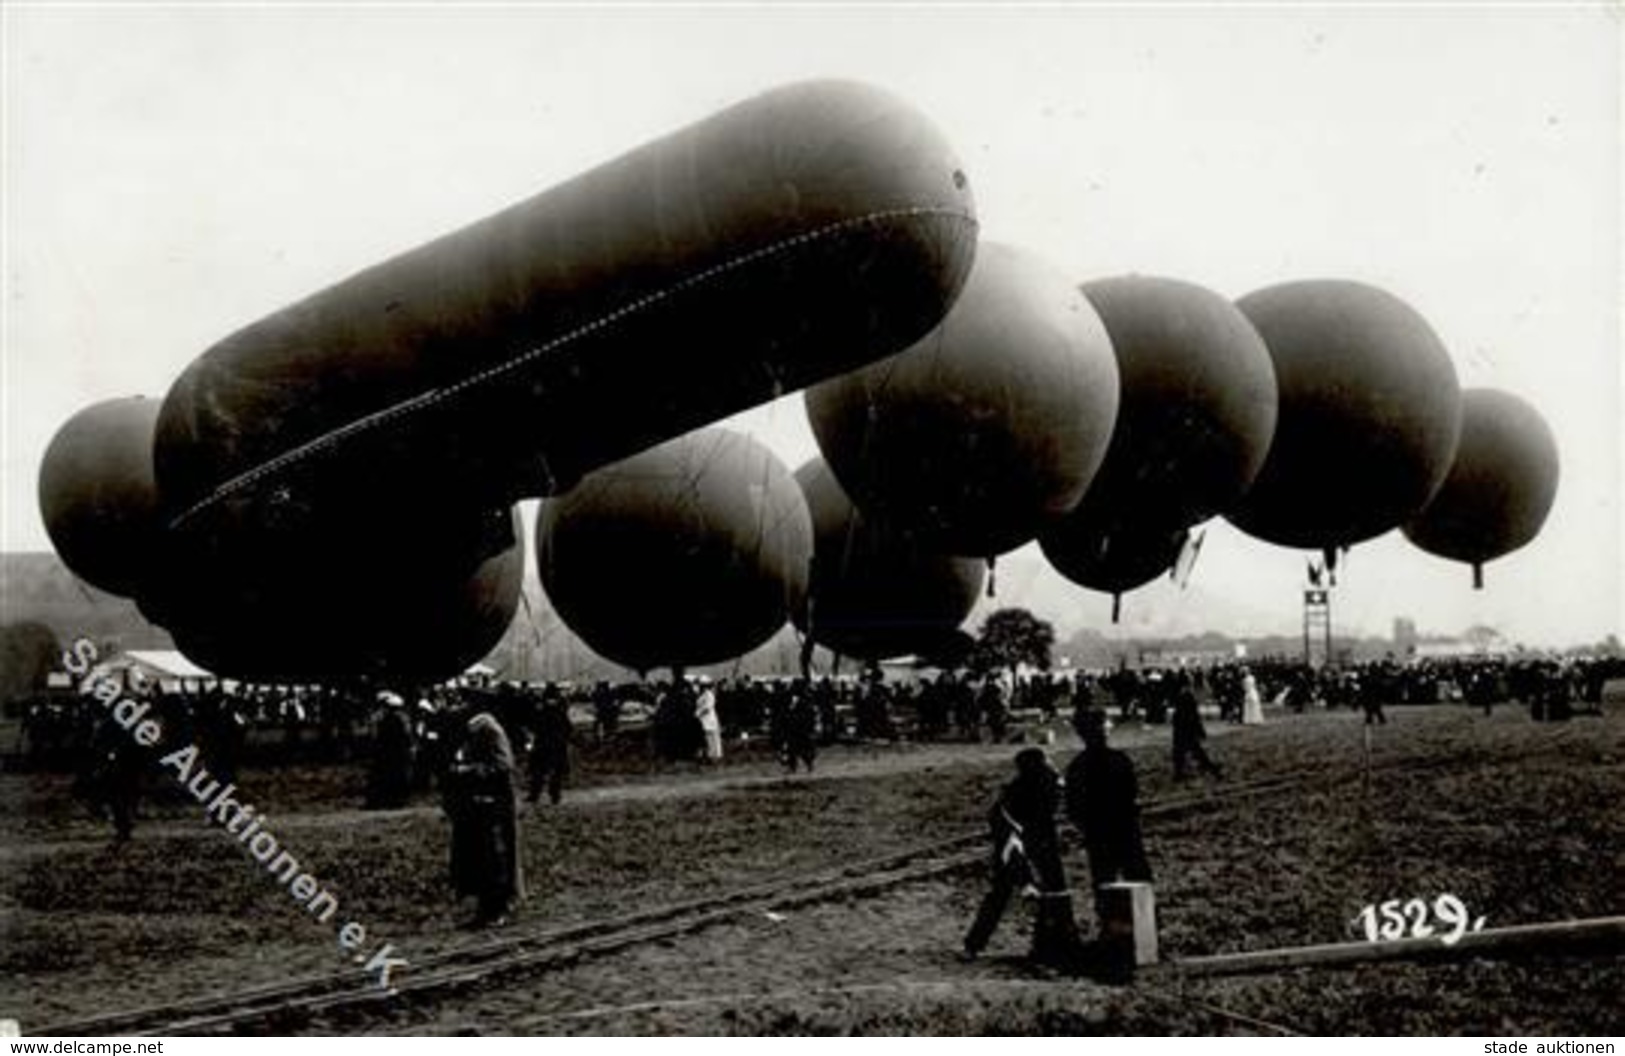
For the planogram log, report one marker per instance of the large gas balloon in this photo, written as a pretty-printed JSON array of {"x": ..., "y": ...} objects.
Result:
[
  {"x": 1114, "y": 561},
  {"x": 97, "y": 494},
  {"x": 801, "y": 233},
  {"x": 435, "y": 611},
  {"x": 796, "y": 235},
  {"x": 691, "y": 553},
  {"x": 1370, "y": 410},
  {"x": 1501, "y": 485},
  {"x": 874, "y": 591},
  {"x": 1198, "y": 404},
  {"x": 990, "y": 424}
]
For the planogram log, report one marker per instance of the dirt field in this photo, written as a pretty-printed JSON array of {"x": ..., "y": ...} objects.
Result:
[{"x": 1521, "y": 821}]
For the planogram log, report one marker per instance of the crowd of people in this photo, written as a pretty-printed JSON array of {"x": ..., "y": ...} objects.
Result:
[
  {"x": 454, "y": 738},
  {"x": 695, "y": 718}
]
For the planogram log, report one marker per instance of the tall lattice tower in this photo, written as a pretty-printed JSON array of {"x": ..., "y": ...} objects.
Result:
[{"x": 1317, "y": 625}]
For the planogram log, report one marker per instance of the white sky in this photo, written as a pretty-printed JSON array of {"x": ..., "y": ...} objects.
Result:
[{"x": 172, "y": 174}]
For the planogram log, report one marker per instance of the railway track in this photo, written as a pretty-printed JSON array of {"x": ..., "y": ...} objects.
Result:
[{"x": 288, "y": 1004}]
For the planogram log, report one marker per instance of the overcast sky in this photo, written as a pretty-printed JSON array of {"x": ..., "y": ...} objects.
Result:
[{"x": 172, "y": 174}]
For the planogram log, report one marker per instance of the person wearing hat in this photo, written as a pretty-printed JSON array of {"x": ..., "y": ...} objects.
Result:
[
  {"x": 389, "y": 784},
  {"x": 1027, "y": 857}
]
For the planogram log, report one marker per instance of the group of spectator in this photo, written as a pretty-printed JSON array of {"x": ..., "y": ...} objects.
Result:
[
  {"x": 487, "y": 745},
  {"x": 410, "y": 736},
  {"x": 695, "y": 718}
]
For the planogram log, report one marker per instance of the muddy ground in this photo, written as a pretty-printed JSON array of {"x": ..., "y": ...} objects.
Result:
[{"x": 1521, "y": 821}]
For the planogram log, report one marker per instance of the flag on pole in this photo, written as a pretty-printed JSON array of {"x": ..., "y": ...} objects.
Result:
[{"x": 1181, "y": 573}]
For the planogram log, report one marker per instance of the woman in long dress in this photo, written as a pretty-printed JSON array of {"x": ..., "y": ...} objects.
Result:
[
  {"x": 482, "y": 804},
  {"x": 1252, "y": 704}
]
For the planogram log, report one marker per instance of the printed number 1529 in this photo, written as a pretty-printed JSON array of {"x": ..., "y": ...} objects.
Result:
[{"x": 1396, "y": 920}]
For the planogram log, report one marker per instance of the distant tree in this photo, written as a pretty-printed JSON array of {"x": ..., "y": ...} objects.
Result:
[
  {"x": 28, "y": 653},
  {"x": 1011, "y": 637}
]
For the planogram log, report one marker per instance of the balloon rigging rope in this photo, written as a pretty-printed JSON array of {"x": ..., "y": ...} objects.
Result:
[{"x": 434, "y": 397}]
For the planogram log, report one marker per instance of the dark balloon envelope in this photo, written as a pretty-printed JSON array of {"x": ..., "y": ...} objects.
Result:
[
  {"x": 432, "y": 595},
  {"x": 97, "y": 494},
  {"x": 1501, "y": 484},
  {"x": 874, "y": 591},
  {"x": 1198, "y": 405},
  {"x": 369, "y": 441},
  {"x": 422, "y": 608},
  {"x": 1370, "y": 410},
  {"x": 691, "y": 553},
  {"x": 1114, "y": 561},
  {"x": 987, "y": 426},
  {"x": 798, "y": 234}
]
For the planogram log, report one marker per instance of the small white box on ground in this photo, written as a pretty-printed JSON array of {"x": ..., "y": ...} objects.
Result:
[{"x": 1128, "y": 919}]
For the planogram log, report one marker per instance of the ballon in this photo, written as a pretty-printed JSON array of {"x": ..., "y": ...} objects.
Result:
[
  {"x": 1114, "y": 561},
  {"x": 989, "y": 425},
  {"x": 361, "y": 448},
  {"x": 1500, "y": 487},
  {"x": 795, "y": 235},
  {"x": 1198, "y": 404},
  {"x": 97, "y": 494},
  {"x": 691, "y": 553},
  {"x": 874, "y": 591},
  {"x": 1370, "y": 410},
  {"x": 440, "y": 608}
]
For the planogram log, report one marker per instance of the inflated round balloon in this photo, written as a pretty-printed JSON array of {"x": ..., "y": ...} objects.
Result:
[
  {"x": 690, "y": 553},
  {"x": 1198, "y": 404},
  {"x": 1114, "y": 560},
  {"x": 875, "y": 592},
  {"x": 992, "y": 423},
  {"x": 97, "y": 494},
  {"x": 438, "y": 611},
  {"x": 1370, "y": 410},
  {"x": 1501, "y": 484}
]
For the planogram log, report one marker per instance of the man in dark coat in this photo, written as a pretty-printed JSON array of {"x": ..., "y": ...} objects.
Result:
[
  {"x": 800, "y": 729},
  {"x": 389, "y": 783},
  {"x": 550, "y": 747},
  {"x": 1102, "y": 802},
  {"x": 112, "y": 778},
  {"x": 606, "y": 712},
  {"x": 1027, "y": 855},
  {"x": 1189, "y": 733}
]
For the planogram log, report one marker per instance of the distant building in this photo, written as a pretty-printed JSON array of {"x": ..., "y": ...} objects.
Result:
[
  {"x": 1475, "y": 641},
  {"x": 1157, "y": 656}
]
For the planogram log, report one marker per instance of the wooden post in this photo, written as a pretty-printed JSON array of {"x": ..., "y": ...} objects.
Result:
[{"x": 1128, "y": 921}]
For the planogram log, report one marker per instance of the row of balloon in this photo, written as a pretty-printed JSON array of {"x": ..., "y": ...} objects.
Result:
[
  {"x": 328, "y": 492},
  {"x": 1105, "y": 421}
]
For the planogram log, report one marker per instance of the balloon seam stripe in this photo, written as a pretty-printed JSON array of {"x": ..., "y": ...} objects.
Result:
[{"x": 434, "y": 397}]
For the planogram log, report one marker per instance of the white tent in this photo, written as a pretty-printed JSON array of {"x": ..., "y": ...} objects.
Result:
[{"x": 166, "y": 667}]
